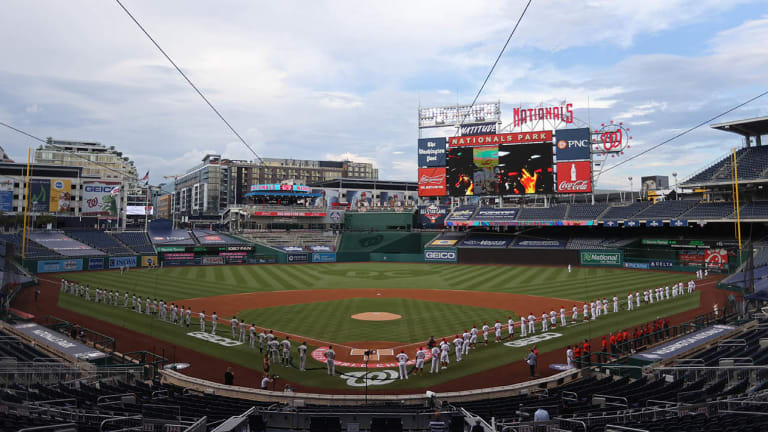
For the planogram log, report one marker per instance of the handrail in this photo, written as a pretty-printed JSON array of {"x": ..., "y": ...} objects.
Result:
[
  {"x": 607, "y": 397},
  {"x": 100, "y": 399},
  {"x": 116, "y": 419},
  {"x": 62, "y": 427}
]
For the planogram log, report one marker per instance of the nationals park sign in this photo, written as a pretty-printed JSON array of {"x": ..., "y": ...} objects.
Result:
[{"x": 607, "y": 258}]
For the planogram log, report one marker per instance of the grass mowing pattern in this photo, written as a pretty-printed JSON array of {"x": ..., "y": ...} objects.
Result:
[
  {"x": 179, "y": 283},
  {"x": 330, "y": 320}
]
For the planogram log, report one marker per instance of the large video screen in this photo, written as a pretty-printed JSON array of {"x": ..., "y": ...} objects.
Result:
[{"x": 513, "y": 169}]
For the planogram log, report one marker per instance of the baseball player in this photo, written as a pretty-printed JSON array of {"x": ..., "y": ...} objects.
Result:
[
  {"x": 569, "y": 268},
  {"x": 544, "y": 326},
  {"x": 154, "y": 307},
  {"x": 467, "y": 336},
  {"x": 497, "y": 326},
  {"x": 562, "y": 316},
  {"x": 262, "y": 337},
  {"x": 510, "y": 327},
  {"x": 569, "y": 357},
  {"x": 188, "y": 316},
  {"x": 605, "y": 306},
  {"x": 402, "y": 358},
  {"x": 523, "y": 326},
  {"x": 629, "y": 302},
  {"x": 458, "y": 344},
  {"x": 592, "y": 309},
  {"x": 201, "y": 315},
  {"x": 444, "y": 350},
  {"x": 233, "y": 323},
  {"x": 133, "y": 301},
  {"x": 330, "y": 355},
  {"x": 575, "y": 316},
  {"x": 650, "y": 295},
  {"x": 531, "y": 323},
  {"x": 420, "y": 356},
  {"x": 552, "y": 318},
  {"x": 473, "y": 339},
  {"x": 125, "y": 300},
  {"x": 435, "y": 359},
  {"x": 183, "y": 314},
  {"x": 146, "y": 304},
  {"x": 586, "y": 311},
  {"x": 645, "y": 296},
  {"x": 87, "y": 294},
  {"x": 286, "y": 350},
  {"x": 302, "y": 356},
  {"x": 666, "y": 291},
  {"x": 274, "y": 350},
  {"x": 485, "y": 333},
  {"x": 252, "y": 336},
  {"x": 214, "y": 321},
  {"x": 138, "y": 305},
  {"x": 242, "y": 331}
]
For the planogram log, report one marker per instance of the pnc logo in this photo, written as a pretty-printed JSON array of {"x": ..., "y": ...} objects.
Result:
[{"x": 562, "y": 144}]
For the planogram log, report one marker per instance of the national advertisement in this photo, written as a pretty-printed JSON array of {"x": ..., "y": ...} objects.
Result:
[
  {"x": 51, "y": 266},
  {"x": 654, "y": 223},
  {"x": 431, "y": 152},
  {"x": 574, "y": 177},
  {"x": 446, "y": 255},
  {"x": 573, "y": 144},
  {"x": 6, "y": 195},
  {"x": 327, "y": 257},
  {"x": 432, "y": 182},
  {"x": 608, "y": 257},
  {"x": 294, "y": 258},
  {"x": 432, "y": 216},
  {"x": 98, "y": 201},
  {"x": 61, "y": 196},
  {"x": 39, "y": 195},
  {"x": 117, "y": 262}
]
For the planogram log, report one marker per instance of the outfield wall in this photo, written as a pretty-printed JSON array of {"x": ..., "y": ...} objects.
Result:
[{"x": 554, "y": 257}]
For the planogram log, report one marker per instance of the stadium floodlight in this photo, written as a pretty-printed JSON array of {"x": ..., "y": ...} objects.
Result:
[{"x": 459, "y": 114}]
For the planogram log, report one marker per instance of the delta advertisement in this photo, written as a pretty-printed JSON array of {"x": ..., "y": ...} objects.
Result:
[
  {"x": 61, "y": 196},
  {"x": 39, "y": 195},
  {"x": 432, "y": 152},
  {"x": 51, "y": 266},
  {"x": 573, "y": 144},
  {"x": 432, "y": 182},
  {"x": 432, "y": 216},
  {"x": 607, "y": 258},
  {"x": 6, "y": 195},
  {"x": 98, "y": 201},
  {"x": 445, "y": 255},
  {"x": 574, "y": 177},
  {"x": 117, "y": 262},
  {"x": 323, "y": 257}
]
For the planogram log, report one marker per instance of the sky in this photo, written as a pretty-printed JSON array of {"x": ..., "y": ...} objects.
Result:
[{"x": 344, "y": 79}]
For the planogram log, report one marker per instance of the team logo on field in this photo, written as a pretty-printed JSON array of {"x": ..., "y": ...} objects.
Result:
[
  {"x": 532, "y": 340},
  {"x": 358, "y": 378},
  {"x": 215, "y": 339}
]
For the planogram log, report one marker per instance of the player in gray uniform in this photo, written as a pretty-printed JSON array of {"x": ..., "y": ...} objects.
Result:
[
  {"x": 233, "y": 322},
  {"x": 214, "y": 322},
  {"x": 125, "y": 300},
  {"x": 252, "y": 335},
  {"x": 274, "y": 350},
  {"x": 188, "y": 316},
  {"x": 286, "y": 344},
  {"x": 330, "y": 355},
  {"x": 302, "y": 356},
  {"x": 262, "y": 337},
  {"x": 201, "y": 315},
  {"x": 138, "y": 304}
]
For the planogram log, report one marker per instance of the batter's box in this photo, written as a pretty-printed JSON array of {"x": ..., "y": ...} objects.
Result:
[
  {"x": 386, "y": 352},
  {"x": 361, "y": 352}
]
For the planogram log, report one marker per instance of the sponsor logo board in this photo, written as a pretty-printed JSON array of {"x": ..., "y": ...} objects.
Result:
[
  {"x": 431, "y": 152},
  {"x": 498, "y": 139},
  {"x": 495, "y": 214},
  {"x": 319, "y": 355},
  {"x": 478, "y": 129},
  {"x": 574, "y": 177},
  {"x": 611, "y": 258},
  {"x": 117, "y": 262},
  {"x": 636, "y": 265},
  {"x": 96, "y": 264},
  {"x": 443, "y": 242},
  {"x": 212, "y": 260},
  {"x": 328, "y": 257},
  {"x": 98, "y": 199},
  {"x": 48, "y": 266},
  {"x": 685, "y": 343},
  {"x": 562, "y": 113},
  {"x": 279, "y": 187},
  {"x": 432, "y": 182},
  {"x": 149, "y": 261},
  {"x": 440, "y": 255},
  {"x": 573, "y": 144},
  {"x": 297, "y": 258}
]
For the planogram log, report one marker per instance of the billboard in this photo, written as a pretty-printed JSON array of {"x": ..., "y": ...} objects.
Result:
[
  {"x": 495, "y": 214},
  {"x": 432, "y": 181},
  {"x": 279, "y": 187},
  {"x": 500, "y": 139},
  {"x": 441, "y": 255},
  {"x": 297, "y": 258},
  {"x": 573, "y": 144},
  {"x": 432, "y": 152},
  {"x": 6, "y": 195},
  {"x": 50, "y": 266},
  {"x": 138, "y": 210},
  {"x": 327, "y": 257},
  {"x": 117, "y": 262},
  {"x": 486, "y": 241},
  {"x": 459, "y": 114},
  {"x": 478, "y": 129},
  {"x": 608, "y": 258},
  {"x": 39, "y": 195},
  {"x": 149, "y": 261},
  {"x": 97, "y": 199},
  {"x": 574, "y": 177},
  {"x": 61, "y": 194},
  {"x": 96, "y": 264},
  {"x": 432, "y": 216}
]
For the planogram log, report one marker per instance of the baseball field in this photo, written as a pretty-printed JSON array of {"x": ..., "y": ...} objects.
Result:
[{"x": 402, "y": 305}]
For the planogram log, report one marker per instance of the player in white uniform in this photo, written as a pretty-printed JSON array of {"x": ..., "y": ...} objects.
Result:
[
  {"x": 262, "y": 337},
  {"x": 201, "y": 315},
  {"x": 214, "y": 322},
  {"x": 302, "y": 356},
  {"x": 586, "y": 311},
  {"x": 605, "y": 306},
  {"x": 274, "y": 350},
  {"x": 233, "y": 323},
  {"x": 125, "y": 300},
  {"x": 467, "y": 336},
  {"x": 485, "y": 333},
  {"x": 569, "y": 268},
  {"x": 286, "y": 345},
  {"x": 435, "y": 359},
  {"x": 497, "y": 327},
  {"x": 575, "y": 315},
  {"x": 188, "y": 316},
  {"x": 420, "y": 356},
  {"x": 252, "y": 336},
  {"x": 531, "y": 323},
  {"x": 473, "y": 339},
  {"x": 592, "y": 310},
  {"x": 146, "y": 303},
  {"x": 562, "y": 316},
  {"x": 552, "y": 318},
  {"x": 444, "y": 349},
  {"x": 544, "y": 324},
  {"x": 510, "y": 327},
  {"x": 458, "y": 344},
  {"x": 402, "y": 358},
  {"x": 523, "y": 327},
  {"x": 569, "y": 357},
  {"x": 630, "y": 305},
  {"x": 138, "y": 305},
  {"x": 242, "y": 331},
  {"x": 330, "y": 355}
]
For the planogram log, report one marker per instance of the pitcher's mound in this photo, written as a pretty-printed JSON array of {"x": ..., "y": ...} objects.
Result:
[{"x": 376, "y": 316}]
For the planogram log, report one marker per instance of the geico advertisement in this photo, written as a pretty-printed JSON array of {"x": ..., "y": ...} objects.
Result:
[{"x": 441, "y": 255}]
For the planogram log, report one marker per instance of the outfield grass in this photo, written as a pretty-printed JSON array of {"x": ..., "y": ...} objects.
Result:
[
  {"x": 179, "y": 283},
  {"x": 331, "y": 320}
]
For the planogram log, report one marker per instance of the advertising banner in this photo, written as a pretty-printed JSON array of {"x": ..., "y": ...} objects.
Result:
[
  {"x": 289, "y": 214},
  {"x": 149, "y": 261},
  {"x": 443, "y": 242},
  {"x": 61, "y": 195},
  {"x": 59, "y": 342},
  {"x": 213, "y": 260},
  {"x": 279, "y": 187},
  {"x": 327, "y": 257},
  {"x": 499, "y": 139},
  {"x": 294, "y": 258},
  {"x": 138, "y": 210},
  {"x": 432, "y": 152},
  {"x": 291, "y": 248},
  {"x": 320, "y": 248},
  {"x": 487, "y": 241},
  {"x": 6, "y": 195},
  {"x": 448, "y": 255},
  {"x": 96, "y": 264},
  {"x": 50, "y": 266},
  {"x": 678, "y": 223},
  {"x": 684, "y": 343},
  {"x": 117, "y": 262},
  {"x": 631, "y": 223},
  {"x": 178, "y": 256},
  {"x": 98, "y": 201},
  {"x": 661, "y": 264},
  {"x": 431, "y": 181},
  {"x": 39, "y": 195},
  {"x": 432, "y": 216},
  {"x": 494, "y": 214},
  {"x": 716, "y": 258},
  {"x": 636, "y": 265},
  {"x": 170, "y": 248},
  {"x": 182, "y": 262},
  {"x": 609, "y": 258},
  {"x": 478, "y": 129},
  {"x": 526, "y": 242},
  {"x": 654, "y": 223},
  {"x": 573, "y": 144},
  {"x": 262, "y": 259},
  {"x": 574, "y": 177}
]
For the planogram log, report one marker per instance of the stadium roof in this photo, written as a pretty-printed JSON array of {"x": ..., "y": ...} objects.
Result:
[{"x": 750, "y": 127}]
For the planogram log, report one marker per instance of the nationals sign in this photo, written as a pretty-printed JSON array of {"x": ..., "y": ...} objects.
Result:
[
  {"x": 574, "y": 177},
  {"x": 507, "y": 138},
  {"x": 431, "y": 181}
]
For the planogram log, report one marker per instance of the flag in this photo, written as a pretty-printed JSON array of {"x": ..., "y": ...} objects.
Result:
[
  {"x": 115, "y": 191},
  {"x": 146, "y": 177}
]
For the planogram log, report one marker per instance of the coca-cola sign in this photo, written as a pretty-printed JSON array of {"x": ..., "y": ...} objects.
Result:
[
  {"x": 478, "y": 129},
  {"x": 431, "y": 181},
  {"x": 574, "y": 177}
]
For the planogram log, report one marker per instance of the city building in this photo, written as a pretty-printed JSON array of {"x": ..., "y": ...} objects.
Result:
[
  {"x": 203, "y": 192},
  {"x": 97, "y": 160}
]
